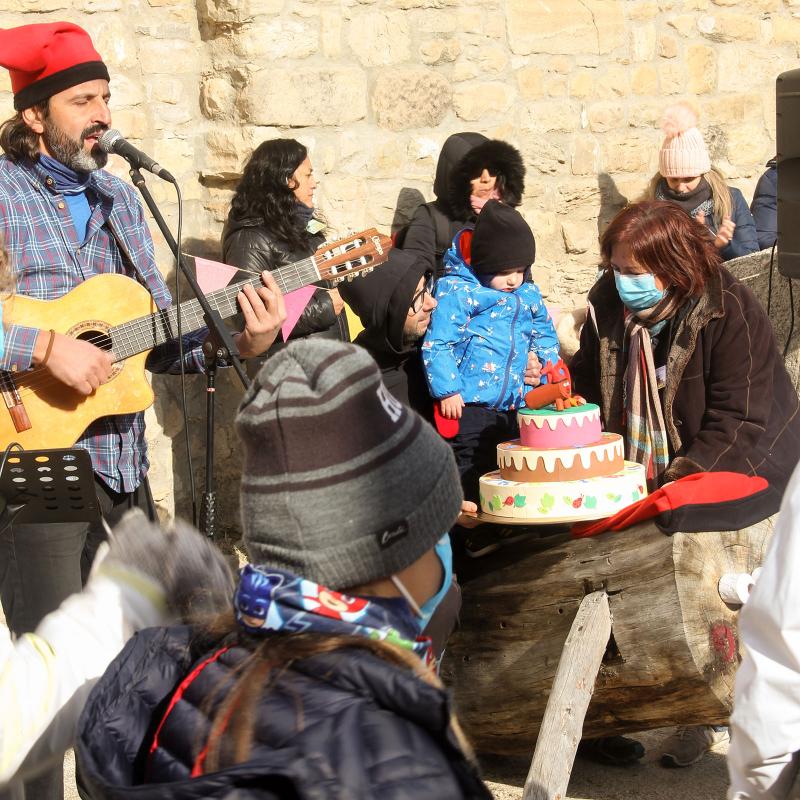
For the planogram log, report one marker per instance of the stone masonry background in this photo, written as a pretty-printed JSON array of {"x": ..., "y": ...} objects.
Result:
[{"x": 373, "y": 87}]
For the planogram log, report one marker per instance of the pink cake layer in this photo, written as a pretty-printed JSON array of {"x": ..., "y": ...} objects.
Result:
[{"x": 546, "y": 428}]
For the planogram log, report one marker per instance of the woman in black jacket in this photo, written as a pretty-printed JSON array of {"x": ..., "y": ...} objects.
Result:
[{"x": 272, "y": 223}]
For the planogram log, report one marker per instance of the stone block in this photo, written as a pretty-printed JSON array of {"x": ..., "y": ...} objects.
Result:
[
  {"x": 276, "y": 39},
  {"x": 667, "y": 46},
  {"x": 95, "y": 6},
  {"x": 701, "y": 67},
  {"x": 606, "y": 116},
  {"x": 684, "y": 24},
  {"x": 226, "y": 152},
  {"x": 585, "y": 152},
  {"x": 331, "y": 32},
  {"x": 530, "y": 81},
  {"x": 748, "y": 143},
  {"x": 167, "y": 89},
  {"x": 379, "y": 38},
  {"x": 125, "y": 92},
  {"x": 550, "y": 117},
  {"x": 168, "y": 30},
  {"x": 168, "y": 57},
  {"x": 557, "y": 87},
  {"x": 305, "y": 95},
  {"x": 439, "y": 51},
  {"x": 732, "y": 108},
  {"x": 578, "y": 236},
  {"x": 217, "y": 98},
  {"x": 567, "y": 27},
  {"x": 434, "y": 21},
  {"x": 643, "y": 11},
  {"x": 469, "y": 20},
  {"x": 410, "y": 97},
  {"x": 581, "y": 85},
  {"x": 475, "y": 101},
  {"x": 613, "y": 81},
  {"x": 464, "y": 70},
  {"x": 131, "y": 121},
  {"x": 749, "y": 68},
  {"x": 643, "y": 42},
  {"x": 645, "y": 80},
  {"x": 545, "y": 156},
  {"x": 35, "y": 6},
  {"x": 111, "y": 35},
  {"x": 786, "y": 30},
  {"x": 561, "y": 64},
  {"x": 490, "y": 58},
  {"x": 672, "y": 78},
  {"x": 728, "y": 27},
  {"x": 628, "y": 151}
]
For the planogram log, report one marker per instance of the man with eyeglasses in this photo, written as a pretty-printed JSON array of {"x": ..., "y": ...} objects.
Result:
[{"x": 394, "y": 304}]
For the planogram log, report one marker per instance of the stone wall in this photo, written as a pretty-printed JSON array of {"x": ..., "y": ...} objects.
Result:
[{"x": 374, "y": 87}]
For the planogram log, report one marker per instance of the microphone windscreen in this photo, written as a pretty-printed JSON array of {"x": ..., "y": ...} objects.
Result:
[{"x": 109, "y": 139}]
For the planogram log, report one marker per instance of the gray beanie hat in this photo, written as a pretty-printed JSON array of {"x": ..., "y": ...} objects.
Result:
[{"x": 342, "y": 484}]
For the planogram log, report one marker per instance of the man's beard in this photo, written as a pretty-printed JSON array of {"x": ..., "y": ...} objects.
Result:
[{"x": 71, "y": 153}]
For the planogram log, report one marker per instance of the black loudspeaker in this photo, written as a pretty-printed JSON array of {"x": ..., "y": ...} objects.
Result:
[{"x": 787, "y": 91}]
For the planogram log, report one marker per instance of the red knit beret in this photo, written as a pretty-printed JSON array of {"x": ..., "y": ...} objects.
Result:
[{"x": 47, "y": 58}]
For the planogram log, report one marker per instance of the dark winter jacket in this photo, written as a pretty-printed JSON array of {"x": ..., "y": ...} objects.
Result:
[
  {"x": 729, "y": 403},
  {"x": 765, "y": 207},
  {"x": 249, "y": 245},
  {"x": 434, "y": 224},
  {"x": 345, "y": 726},
  {"x": 382, "y": 300}
]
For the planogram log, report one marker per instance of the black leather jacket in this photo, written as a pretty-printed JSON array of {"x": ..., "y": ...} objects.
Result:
[{"x": 249, "y": 245}]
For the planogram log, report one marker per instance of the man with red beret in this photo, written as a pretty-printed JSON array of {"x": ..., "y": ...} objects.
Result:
[{"x": 64, "y": 219}]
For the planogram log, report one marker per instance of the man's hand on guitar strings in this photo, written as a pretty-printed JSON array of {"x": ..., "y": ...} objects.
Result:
[
  {"x": 264, "y": 312},
  {"x": 75, "y": 362}
]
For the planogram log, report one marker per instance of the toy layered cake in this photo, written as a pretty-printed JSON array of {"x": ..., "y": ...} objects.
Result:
[{"x": 563, "y": 468}]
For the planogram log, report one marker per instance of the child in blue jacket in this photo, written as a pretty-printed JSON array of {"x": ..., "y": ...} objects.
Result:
[{"x": 476, "y": 349}]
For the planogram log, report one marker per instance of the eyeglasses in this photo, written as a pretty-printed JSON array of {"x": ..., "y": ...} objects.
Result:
[{"x": 418, "y": 301}]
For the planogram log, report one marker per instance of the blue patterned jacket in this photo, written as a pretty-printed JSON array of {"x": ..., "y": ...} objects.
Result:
[{"x": 479, "y": 338}]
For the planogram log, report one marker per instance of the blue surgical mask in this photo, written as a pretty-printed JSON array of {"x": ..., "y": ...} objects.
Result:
[
  {"x": 424, "y": 612},
  {"x": 638, "y": 292},
  {"x": 444, "y": 551}
]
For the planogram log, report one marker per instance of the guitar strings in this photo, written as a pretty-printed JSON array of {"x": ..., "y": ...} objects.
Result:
[{"x": 139, "y": 332}]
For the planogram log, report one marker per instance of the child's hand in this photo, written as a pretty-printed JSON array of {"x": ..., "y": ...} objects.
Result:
[
  {"x": 533, "y": 372},
  {"x": 451, "y": 406}
]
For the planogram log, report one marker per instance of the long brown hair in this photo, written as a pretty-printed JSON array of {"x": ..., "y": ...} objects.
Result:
[
  {"x": 230, "y": 738},
  {"x": 18, "y": 140},
  {"x": 666, "y": 241}
]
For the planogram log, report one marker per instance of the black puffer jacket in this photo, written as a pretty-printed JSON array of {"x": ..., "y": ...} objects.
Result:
[
  {"x": 248, "y": 244},
  {"x": 463, "y": 156},
  {"x": 345, "y": 725},
  {"x": 382, "y": 300}
]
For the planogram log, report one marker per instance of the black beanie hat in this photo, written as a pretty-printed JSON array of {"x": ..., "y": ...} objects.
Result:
[{"x": 501, "y": 240}]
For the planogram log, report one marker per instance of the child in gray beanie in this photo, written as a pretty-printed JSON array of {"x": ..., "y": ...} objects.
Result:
[{"x": 320, "y": 683}]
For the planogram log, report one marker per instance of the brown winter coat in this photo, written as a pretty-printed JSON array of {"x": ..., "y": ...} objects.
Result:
[{"x": 729, "y": 403}]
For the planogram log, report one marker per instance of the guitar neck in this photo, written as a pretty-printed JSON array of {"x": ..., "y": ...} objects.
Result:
[{"x": 145, "y": 333}]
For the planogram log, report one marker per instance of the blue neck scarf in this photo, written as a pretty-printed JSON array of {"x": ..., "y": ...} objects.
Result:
[
  {"x": 269, "y": 599},
  {"x": 72, "y": 186}
]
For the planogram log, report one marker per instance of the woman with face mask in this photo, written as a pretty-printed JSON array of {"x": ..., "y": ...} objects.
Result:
[
  {"x": 319, "y": 682},
  {"x": 687, "y": 178},
  {"x": 682, "y": 360}
]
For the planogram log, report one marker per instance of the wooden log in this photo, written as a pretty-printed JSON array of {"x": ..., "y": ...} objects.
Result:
[
  {"x": 562, "y": 725},
  {"x": 674, "y": 644}
]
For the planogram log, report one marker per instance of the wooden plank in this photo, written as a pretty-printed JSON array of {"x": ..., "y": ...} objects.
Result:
[{"x": 562, "y": 724}]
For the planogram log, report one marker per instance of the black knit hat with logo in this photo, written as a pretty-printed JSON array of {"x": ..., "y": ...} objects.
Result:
[
  {"x": 501, "y": 240},
  {"x": 342, "y": 484}
]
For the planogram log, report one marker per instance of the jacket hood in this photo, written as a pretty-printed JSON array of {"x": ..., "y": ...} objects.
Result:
[
  {"x": 453, "y": 150},
  {"x": 500, "y": 158},
  {"x": 234, "y": 223},
  {"x": 457, "y": 262},
  {"x": 382, "y": 298}
]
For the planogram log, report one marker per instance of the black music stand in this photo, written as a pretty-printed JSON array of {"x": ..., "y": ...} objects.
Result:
[{"x": 45, "y": 486}]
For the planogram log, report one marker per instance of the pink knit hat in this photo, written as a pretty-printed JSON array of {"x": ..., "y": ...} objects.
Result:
[{"x": 684, "y": 153}]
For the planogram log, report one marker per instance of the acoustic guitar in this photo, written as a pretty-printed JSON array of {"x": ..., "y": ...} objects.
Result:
[{"x": 118, "y": 314}]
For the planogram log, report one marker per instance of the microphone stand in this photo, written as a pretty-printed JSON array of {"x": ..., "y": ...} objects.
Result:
[{"x": 219, "y": 346}]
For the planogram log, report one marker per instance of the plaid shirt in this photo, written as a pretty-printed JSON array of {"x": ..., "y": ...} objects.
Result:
[{"x": 37, "y": 229}]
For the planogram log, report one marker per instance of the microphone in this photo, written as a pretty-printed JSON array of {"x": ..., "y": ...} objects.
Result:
[{"x": 112, "y": 142}]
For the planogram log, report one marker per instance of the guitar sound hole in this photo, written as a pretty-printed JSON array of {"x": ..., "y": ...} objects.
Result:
[{"x": 97, "y": 338}]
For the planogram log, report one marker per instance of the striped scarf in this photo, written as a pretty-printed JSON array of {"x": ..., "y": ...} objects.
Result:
[{"x": 647, "y": 441}]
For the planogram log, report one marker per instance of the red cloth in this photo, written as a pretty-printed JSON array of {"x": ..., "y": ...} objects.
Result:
[
  {"x": 50, "y": 51},
  {"x": 704, "y": 501}
]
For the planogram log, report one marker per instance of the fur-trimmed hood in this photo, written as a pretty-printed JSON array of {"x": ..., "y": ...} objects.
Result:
[{"x": 500, "y": 158}]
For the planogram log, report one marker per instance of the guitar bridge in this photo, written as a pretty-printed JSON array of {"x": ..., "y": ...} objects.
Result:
[{"x": 14, "y": 404}]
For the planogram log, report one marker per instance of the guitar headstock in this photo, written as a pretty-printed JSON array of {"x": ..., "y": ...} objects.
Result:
[{"x": 360, "y": 253}]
